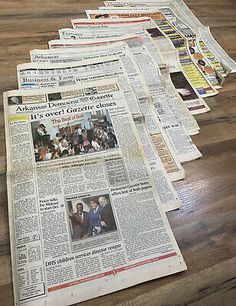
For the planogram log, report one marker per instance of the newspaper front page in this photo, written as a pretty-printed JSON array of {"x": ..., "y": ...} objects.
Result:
[
  {"x": 84, "y": 221},
  {"x": 95, "y": 28}
]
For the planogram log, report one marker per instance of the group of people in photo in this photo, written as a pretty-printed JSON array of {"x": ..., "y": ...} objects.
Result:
[
  {"x": 98, "y": 135},
  {"x": 98, "y": 220}
]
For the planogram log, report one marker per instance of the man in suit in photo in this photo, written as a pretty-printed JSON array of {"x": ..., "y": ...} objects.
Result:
[{"x": 80, "y": 222}]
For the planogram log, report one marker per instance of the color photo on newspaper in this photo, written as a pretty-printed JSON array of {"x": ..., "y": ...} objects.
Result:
[
  {"x": 81, "y": 133},
  {"x": 90, "y": 216}
]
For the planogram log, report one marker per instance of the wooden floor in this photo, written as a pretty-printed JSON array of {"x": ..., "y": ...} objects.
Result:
[{"x": 205, "y": 225}]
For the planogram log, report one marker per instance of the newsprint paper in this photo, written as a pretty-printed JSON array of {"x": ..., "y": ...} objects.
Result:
[{"x": 85, "y": 217}]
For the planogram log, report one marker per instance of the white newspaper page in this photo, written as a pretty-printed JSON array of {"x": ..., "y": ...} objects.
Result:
[
  {"x": 84, "y": 221},
  {"x": 99, "y": 27},
  {"x": 168, "y": 196},
  {"x": 80, "y": 52},
  {"x": 193, "y": 72}
]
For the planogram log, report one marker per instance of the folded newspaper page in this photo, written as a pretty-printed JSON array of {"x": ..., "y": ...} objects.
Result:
[
  {"x": 187, "y": 18},
  {"x": 168, "y": 195},
  {"x": 85, "y": 217},
  {"x": 98, "y": 27},
  {"x": 40, "y": 75},
  {"x": 192, "y": 71}
]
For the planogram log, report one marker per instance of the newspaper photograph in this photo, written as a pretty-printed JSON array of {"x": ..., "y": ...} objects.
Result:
[
  {"x": 194, "y": 102},
  {"x": 85, "y": 218}
]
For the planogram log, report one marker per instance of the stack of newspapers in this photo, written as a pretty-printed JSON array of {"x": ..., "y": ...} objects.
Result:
[{"x": 95, "y": 136}]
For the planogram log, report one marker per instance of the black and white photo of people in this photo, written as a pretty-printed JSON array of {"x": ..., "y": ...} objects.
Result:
[
  {"x": 90, "y": 217},
  {"x": 88, "y": 133}
]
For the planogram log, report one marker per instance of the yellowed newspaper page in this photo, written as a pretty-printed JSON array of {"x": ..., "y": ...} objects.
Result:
[{"x": 84, "y": 222}]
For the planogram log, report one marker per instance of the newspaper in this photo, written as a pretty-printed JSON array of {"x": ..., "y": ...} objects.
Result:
[
  {"x": 193, "y": 73},
  {"x": 77, "y": 51},
  {"x": 96, "y": 28},
  {"x": 216, "y": 49},
  {"x": 182, "y": 144},
  {"x": 187, "y": 19},
  {"x": 84, "y": 221}
]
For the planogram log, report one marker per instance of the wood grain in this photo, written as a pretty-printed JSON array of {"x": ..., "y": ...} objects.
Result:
[{"x": 205, "y": 225}]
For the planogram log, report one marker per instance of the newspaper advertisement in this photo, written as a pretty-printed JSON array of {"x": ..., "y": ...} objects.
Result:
[
  {"x": 84, "y": 221},
  {"x": 205, "y": 35},
  {"x": 216, "y": 49},
  {"x": 193, "y": 73},
  {"x": 95, "y": 28},
  {"x": 214, "y": 77}
]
